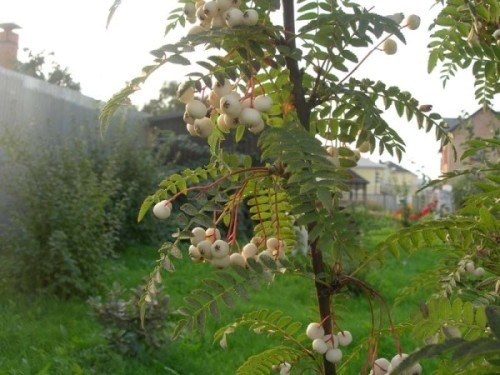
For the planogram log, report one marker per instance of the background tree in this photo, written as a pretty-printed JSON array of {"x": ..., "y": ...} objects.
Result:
[
  {"x": 166, "y": 102},
  {"x": 304, "y": 75},
  {"x": 42, "y": 66}
]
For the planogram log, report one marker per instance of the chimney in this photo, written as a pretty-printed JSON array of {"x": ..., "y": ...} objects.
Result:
[{"x": 8, "y": 45}]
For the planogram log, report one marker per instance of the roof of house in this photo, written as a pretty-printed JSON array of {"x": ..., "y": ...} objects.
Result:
[
  {"x": 454, "y": 123},
  {"x": 367, "y": 163},
  {"x": 356, "y": 179},
  {"x": 396, "y": 167}
]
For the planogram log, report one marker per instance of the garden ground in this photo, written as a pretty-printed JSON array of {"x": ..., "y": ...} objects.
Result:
[{"x": 44, "y": 335}]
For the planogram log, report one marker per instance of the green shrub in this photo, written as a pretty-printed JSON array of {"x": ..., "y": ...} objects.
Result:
[
  {"x": 72, "y": 203},
  {"x": 60, "y": 229},
  {"x": 122, "y": 323}
]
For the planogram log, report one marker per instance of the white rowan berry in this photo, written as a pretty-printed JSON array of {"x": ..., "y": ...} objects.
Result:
[
  {"x": 205, "y": 248},
  {"x": 162, "y": 210},
  {"x": 196, "y": 109},
  {"x": 220, "y": 249},
  {"x": 262, "y": 103},
  {"x": 333, "y": 355},
  {"x": 191, "y": 130},
  {"x": 315, "y": 331},
  {"x": 203, "y": 127},
  {"x": 200, "y": 14},
  {"x": 272, "y": 243},
  {"x": 397, "y": 359},
  {"x": 214, "y": 99},
  {"x": 211, "y": 9},
  {"x": 188, "y": 119},
  {"x": 197, "y": 29},
  {"x": 266, "y": 253},
  {"x": 258, "y": 128},
  {"x": 212, "y": 234},
  {"x": 257, "y": 241},
  {"x": 496, "y": 34},
  {"x": 250, "y": 117},
  {"x": 331, "y": 340},
  {"x": 249, "y": 251},
  {"x": 364, "y": 147},
  {"x": 234, "y": 17},
  {"x": 416, "y": 369},
  {"x": 246, "y": 103},
  {"x": 224, "y": 4},
  {"x": 190, "y": 10},
  {"x": 413, "y": 22},
  {"x": 223, "y": 262},
  {"x": 237, "y": 259},
  {"x": 344, "y": 337},
  {"x": 194, "y": 253},
  {"x": 222, "y": 88},
  {"x": 198, "y": 235},
  {"x": 319, "y": 346},
  {"x": 185, "y": 93},
  {"x": 479, "y": 272},
  {"x": 279, "y": 253},
  {"x": 250, "y": 17},
  {"x": 469, "y": 267},
  {"x": 390, "y": 47},
  {"x": 380, "y": 366},
  {"x": 230, "y": 105},
  {"x": 217, "y": 22},
  {"x": 227, "y": 122},
  {"x": 285, "y": 368}
]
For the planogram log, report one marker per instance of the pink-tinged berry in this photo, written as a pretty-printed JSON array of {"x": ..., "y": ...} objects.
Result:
[{"x": 212, "y": 234}]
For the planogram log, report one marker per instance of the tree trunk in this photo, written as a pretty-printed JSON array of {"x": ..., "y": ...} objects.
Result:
[{"x": 303, "y": 112}]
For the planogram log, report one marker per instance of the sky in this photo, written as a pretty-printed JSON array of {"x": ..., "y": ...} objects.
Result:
[{"x": 103, "y": 60}]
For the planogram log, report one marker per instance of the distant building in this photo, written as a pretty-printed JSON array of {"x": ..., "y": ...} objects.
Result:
[
  {"x": 481, "y": 124},
  {"x": 387, "y": 184}
]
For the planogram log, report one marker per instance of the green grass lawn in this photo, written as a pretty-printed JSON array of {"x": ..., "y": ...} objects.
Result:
[{"x": 43, "y": 335}]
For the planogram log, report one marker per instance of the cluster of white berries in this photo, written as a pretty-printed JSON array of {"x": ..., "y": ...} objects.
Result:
[
  {"x": 231, "y": 109},
  {"x": 216, "y": 14},
  {"x": 390, "y": 46},
  {"x": 207, "y": 246},
  {"x": 382, "y": 366},
  {"x": 327, "y": 345}
]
